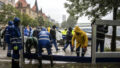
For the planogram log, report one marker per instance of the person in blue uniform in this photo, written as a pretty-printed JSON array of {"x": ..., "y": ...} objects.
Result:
[
  {"x": 44, "y": 41},
  {"x": 26, "y": 32},
  {"x": 15, "y": 40},
  {"x": 7, "y": 37}
]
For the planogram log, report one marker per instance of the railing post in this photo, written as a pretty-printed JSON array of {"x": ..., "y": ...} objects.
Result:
[
  {"x": 21, "y": 51},
  {"x": 51, "y": 60},
  {"x": 40, "y": 61},
  {"x": 93, "y": 49}
]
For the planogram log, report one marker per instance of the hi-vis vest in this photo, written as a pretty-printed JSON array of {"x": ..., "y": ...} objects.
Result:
[
  {"x": 73, "y": 32},
  {"x": 48, "y": 29},
  {"x": 64, "y": 32}
]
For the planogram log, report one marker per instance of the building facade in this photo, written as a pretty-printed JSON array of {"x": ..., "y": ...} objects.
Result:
[
  {"x": 12, "y": 2},
  {"x": 24, "y": 7}
]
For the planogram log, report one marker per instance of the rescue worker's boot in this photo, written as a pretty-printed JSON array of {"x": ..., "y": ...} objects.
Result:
[
  {"x": 82, "y": 54},
  {"x": 15, "y": 57},
  {"x": 51, "y": 60},
  {"x": 40, "y": 61},
  {"x": 78, "y": 54},
  {"x": 9, "y": 52},
  {"x": 15, "y": 63}
]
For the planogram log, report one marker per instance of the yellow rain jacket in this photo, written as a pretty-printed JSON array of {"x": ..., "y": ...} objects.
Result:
[
  {"x": 81, "y": 39},
  {"x": 48, "y": 29},
  {"x": 73, "y": 32}
]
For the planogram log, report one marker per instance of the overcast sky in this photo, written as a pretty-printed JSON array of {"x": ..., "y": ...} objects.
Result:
[{"x": 55, "y": 9}]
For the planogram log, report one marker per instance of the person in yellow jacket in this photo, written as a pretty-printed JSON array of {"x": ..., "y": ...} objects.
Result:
[
  {"x": 64, "y": 33},
  {"x": 81, "y": 41},
  {"x": 48, "y": 29},
  {"x": 73, "y": 32}
]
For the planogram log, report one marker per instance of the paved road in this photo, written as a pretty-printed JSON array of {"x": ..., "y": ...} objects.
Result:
[{"x": 60, "y": 52}]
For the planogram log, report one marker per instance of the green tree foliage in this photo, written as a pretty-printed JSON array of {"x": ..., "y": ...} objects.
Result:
[
  {"x": 64, "y": 23},
  {"x": 94, "y": 9},
  {"x": 57, "y": 24},
  {"x": 45, "y": 23},
  {"x": 48, "y": 24},
  {"x": 7, "y": 13},
  {"x": 91, "y": 8},
  {"x": 40, "y": 20},
  {"x": 71, "y": 22}
]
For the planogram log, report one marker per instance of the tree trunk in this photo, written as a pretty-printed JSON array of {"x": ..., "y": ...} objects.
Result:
[{"x": 113, "y": 40}]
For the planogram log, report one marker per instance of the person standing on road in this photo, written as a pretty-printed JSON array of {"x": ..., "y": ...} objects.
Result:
[
  {"x": 68, "y": 39},
  {"x": 101, "y": 30},
  {"x": 53, "y": 37},
  {"x": 15, "y": 39},
  {"x": 81, "y": 41},
  {"x": 36, "y": 32},
  {"x": 48, "y": 29},
  {"x": 7, "y": 37},
  {"x": 64, "y": 33},
  {"x": 44, "y": 41}
]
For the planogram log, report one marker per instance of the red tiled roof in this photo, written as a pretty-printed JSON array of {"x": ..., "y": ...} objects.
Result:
[
  {"x": 34, "y": 8},
  {"x": 23, "y": 2},
  {"x": 43, "y": 14}
]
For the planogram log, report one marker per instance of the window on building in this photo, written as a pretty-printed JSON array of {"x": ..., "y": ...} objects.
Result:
[
  {"x": 1, "y": 3},
  {"x": 24, "y": 10},
  {"x": 19, "y": 4}
]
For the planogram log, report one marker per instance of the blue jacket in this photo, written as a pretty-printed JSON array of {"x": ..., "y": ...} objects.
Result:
[
  {"x": 15, "y": 38},
  {"x": 15, "y": 32},
  {"x": 8, "y": 31},
  {"x": 28, "y": 32},
  {"x": 44, "y": 37}
]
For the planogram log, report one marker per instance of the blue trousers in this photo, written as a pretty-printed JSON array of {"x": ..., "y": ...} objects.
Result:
[
  {"x": 78, "y": 51},
  {"x": 64, "y": 37},
  {"x": 44, "y": 44},
  {"x": 9, "y": 50},
  {"x": 66, "y": 45},
  {"x": 15, "y": 59},
  {"x": 55, "y": 44},
  {"x": 101, "y": 44}
]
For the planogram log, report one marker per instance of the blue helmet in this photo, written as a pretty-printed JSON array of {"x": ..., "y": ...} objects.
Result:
[
  {"x": 16, "y": 21},
  {"x": 10, "y": 23},
  {"x": 43, "y": 29}
]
